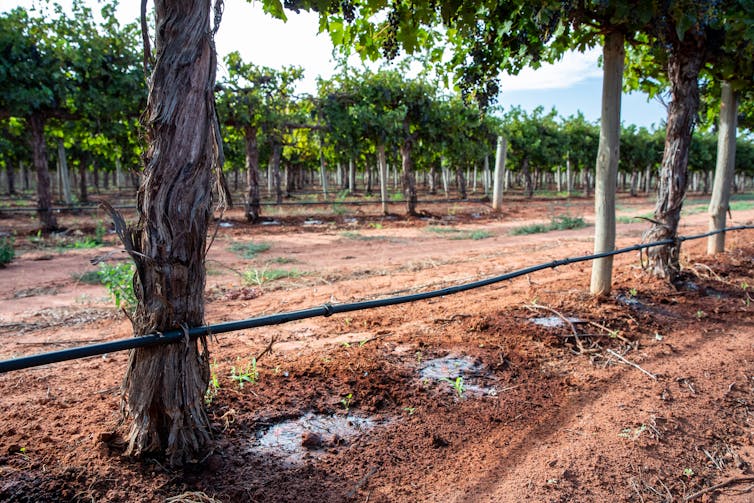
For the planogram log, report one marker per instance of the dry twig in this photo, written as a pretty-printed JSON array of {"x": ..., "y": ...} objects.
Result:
[
  {"x": 628, "y": 362},
  {"x": 725, "y": 483}
]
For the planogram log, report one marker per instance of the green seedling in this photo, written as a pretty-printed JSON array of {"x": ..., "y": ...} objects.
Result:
[
  {"x": 261, "y": 276},
  {"x": 346, "y": 401},
  {"x": 248, "y": 250},
  {"x": 558, "y": 223},
  {"x": 410, "y": 410},
  {"x": 214, "y": 385},
  {"x": 457, "y": 385},
  {"x": 250, "y": 374},
  {"x": 688, "y": 472}
]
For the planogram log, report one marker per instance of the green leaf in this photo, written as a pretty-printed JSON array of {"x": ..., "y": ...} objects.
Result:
[{"x": 275, "y": 9}]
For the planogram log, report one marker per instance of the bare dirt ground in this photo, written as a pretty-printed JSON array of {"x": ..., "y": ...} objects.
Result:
[{"x": 646, "y": 395}]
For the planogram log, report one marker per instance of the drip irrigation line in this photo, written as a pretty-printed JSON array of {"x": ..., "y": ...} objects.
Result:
[{"x": 324, "y": 310}]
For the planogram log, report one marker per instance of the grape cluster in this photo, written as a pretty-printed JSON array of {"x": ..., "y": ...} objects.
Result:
[
  {"x": 390, "y": 44},
  {"x": 348, "y": 10}
]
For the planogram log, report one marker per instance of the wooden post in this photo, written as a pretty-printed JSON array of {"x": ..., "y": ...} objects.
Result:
[{"x": 497, "y": 187}]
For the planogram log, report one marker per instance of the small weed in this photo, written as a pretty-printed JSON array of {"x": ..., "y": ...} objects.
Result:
[
  {"x": 632, "y": 433},
  {"x": 632, "y": 293},
  {"x": 282, "y": 260},
  {"x": 214, "y": 385},
  {"x": 346, "y": 401},
  {"x": 454, "y": 233},
  {"x": 558, "y": 223},
  {"x": 118, "y": 279},
  {"x": 360, "y": 237},
  {"x": 700, "y": 314},
  {"x": 261, "y": 276},
  {"x": 375, "y": 225},
  {"x": 479, "y": 234},
  {"x": 529, "y": 229},
  {"x": 565, "y": 222},
  {"x": 92, "y": 241},
  {"x": 741, "y": 205},
  {"x": 88, "y": 277},
  {"x": 249, "y": 374},
  {"x": 410, "y": 410},
  {"x": 86, "y": 243},
  {"x": 442, "y": 230},
  {"x": 688, "y": 472},
  {"x": 339, "y": 209},
  {"x": 457, "y": 384},
  {"x": 7, "y": 252},
  {"x": 248, "y": 250}
]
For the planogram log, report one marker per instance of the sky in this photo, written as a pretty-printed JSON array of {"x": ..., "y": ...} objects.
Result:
[{"x": 573, "y": 84}]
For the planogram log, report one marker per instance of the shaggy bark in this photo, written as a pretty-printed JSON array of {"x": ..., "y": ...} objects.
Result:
[
  {"x": 163, "y": 390},
  {"x": 528, "y": 183},
  {"x": 9, "y": 177},
  {"x": 409, "y": 181},
  {"x": 684, "y": 64},
  {"x": 461, "y": 183},
  {"x": 39, "y": 157},
  {"x": 253, "y": 208},
  {"x": 277, "y": 150}
]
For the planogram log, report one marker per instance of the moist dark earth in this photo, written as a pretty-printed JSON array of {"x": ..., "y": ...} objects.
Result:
[{"x": 526, "y": 390}]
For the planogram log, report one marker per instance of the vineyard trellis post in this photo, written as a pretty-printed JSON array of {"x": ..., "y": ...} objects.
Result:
[{"x": 497, "y": 186}]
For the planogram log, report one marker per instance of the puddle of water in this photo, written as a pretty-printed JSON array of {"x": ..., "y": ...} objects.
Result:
[
  {"x": 554, "y": 321},
  {"x": 312, "y": 221},
  {"x": 226, "y": 224},
  {"x": 449, "y": 368},
  {"x": 271, "y": 222},
  {"x": 351, "y": 220},
  {"x": 640, "y": 306},
  {"x": 310, "y": 433}
]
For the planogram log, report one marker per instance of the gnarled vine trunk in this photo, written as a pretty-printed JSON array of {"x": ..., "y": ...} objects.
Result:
[
  {"x": 39, "y": 157},
  {"x": 253, "y": 208},
  {"x": 163, "y": 391},
  {"x": 684, "y": 64},
  {"x": 409, "y": 181}
]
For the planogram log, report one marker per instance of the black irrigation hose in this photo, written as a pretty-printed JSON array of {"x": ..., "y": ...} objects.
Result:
[{"x": 325, "y": 310}]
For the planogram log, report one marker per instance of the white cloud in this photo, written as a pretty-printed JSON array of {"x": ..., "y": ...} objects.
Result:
[{"x": 573, "y": 68}]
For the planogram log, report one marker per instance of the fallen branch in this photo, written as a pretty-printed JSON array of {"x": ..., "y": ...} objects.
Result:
[
  {"x": 627, "y": 362},
  {"x": 725, "y": 483}
]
